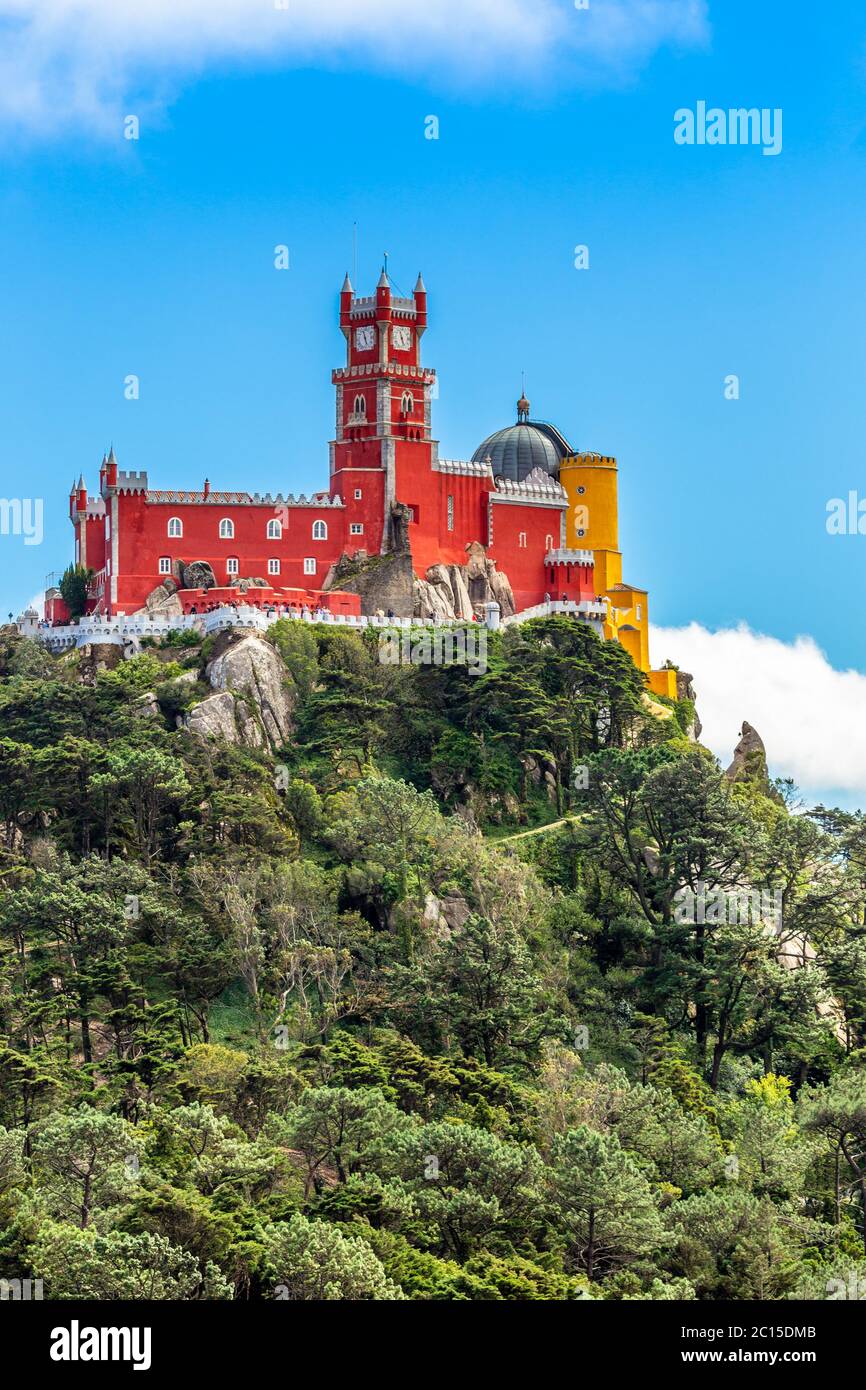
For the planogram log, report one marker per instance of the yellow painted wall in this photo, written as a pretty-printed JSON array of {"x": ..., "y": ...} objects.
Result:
[
  {"x": 663, "y": 683},
  {"x": 592, "y": 523},
  {"x": 629, "y": 637},
  {"x": 608, "y": 569},
  {"x": 592, "y": 519}
]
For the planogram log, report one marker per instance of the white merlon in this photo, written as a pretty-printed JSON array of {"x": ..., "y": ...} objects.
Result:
[
  {"x": 465, "y": 466},
  {"x": 535, "y": 484},
  {"x": 569, "y": 557}
]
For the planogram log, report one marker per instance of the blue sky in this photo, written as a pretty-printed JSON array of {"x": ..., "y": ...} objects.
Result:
[{"x": 155, "y": 257}]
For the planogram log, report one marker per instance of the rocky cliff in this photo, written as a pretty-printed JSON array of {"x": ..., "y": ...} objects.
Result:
[{"x": 253, "y": 703}]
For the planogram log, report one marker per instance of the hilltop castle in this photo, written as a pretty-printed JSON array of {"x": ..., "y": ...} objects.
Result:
[{"x": 526, "y": 519}]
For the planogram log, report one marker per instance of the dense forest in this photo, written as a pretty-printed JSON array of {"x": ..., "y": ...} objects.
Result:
[{"x": 406, "y": 1004}]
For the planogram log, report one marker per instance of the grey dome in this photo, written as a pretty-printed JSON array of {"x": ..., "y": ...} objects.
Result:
[{"x": 515, "y": 451}]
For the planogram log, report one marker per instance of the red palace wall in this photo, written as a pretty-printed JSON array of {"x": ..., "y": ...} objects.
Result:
[
  {"x": 94, "y": 544},
  {"x": 521, "y": 538},
  {"x": 143, "y": 539},
  {"x": 357, "y": 467}
]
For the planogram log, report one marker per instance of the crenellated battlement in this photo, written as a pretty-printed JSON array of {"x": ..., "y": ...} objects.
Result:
[
  {"x": 131, "y": 482},
  {"x": 463, "y": 466},
  {"x": 588, "y": 458}
]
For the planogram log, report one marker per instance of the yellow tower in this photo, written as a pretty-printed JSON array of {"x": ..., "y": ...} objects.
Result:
[
  {"x": 592, "y": 519},
  {"x": 592, "y": 523}
]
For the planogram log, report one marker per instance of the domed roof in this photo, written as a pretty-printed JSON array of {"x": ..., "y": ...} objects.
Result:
[{"x": 515, "y": 451}]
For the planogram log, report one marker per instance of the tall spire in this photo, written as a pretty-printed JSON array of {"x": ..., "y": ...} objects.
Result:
[
  {"x": 347, "y": 284},
  {"x": 384, "y": 282},
  {"x": 420, "y": 287}
]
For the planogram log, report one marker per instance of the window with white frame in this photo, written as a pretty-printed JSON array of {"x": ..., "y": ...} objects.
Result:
[
  {"x": 521, "y": 540},
  {"x": 232, "y": 565},
  {"x": 407, "y": 403},
  {"x": 450, "y": 513},
  {"x": 320, "y": 531},
  {"x": 165, "y": 564},
  {"x": 227, "y": 529},
  {"x": 356, "y": 528},
  {"x": 309, "y": 566},
  {"x": 175, "y": 526},
  {"x": 639, "y": 612},
  {"x": 358, "y": 494},
  {"x": 273, "y": 566},
  {"x": 548, "y": 542},
  {"x": 275, "y": 530},
  {"x": 360, "y": 406}
]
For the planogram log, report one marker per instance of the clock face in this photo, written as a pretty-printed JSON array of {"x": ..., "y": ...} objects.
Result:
[
  {"x": 401, "y": 338},
  {"x": 365, "y": 338}
]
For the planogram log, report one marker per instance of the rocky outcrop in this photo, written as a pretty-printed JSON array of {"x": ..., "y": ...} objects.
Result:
[
  {"x": 444, "y": 915},
  {"x": 388, "y": 584},
  {"x": 383, "y": 581},
  {"x": 197, "y": 575},
  {"x": 161, "y": 602},
  {"x": 541, "y": 772},
  {"x": 146, "y": 706},
  {"x": 750, "y": 759},
  {"x": 254, "y": 704},
  {"x": 96, "y": 657},
  {"x": 484, "y": 582},
  {"x": 461, "y": 591},
  {"x": 442, "y": 594},
  {"x": 245, "y": 584},
  {"x": 225, "y": 717},
  {"x": 686, "y": 691}
]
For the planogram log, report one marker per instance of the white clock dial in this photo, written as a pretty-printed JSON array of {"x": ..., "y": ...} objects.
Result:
[
  {"x": 365, "y": 338},
  {"x": 401, "y": 338}
]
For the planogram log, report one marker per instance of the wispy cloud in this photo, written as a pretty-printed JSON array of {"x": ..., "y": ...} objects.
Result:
[
  {"x": 809, "y": 714},
  {"x": 73, "y": 64}
]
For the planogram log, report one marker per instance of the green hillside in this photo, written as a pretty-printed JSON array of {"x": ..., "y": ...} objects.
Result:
[{"x": 316, "y": 1018}]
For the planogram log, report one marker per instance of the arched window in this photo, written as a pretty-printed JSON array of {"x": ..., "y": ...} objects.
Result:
[
  {"x": 275, "y": 531},
  {"x": 227, "y": 529},
  {"x": 407, "y": 404},
  {"x": 548, "y": 542},
  {"x": 320, "y": 531},
  {"x": 175, "y": 526},
  {"x": 360, "y": 405}
]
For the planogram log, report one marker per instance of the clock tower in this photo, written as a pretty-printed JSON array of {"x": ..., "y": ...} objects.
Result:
[{"x": 383, "y": 451}]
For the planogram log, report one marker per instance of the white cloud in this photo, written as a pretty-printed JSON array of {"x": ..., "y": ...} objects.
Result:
[
  {"x": 809, "y": 715},
  {"x": 79, "y": 62}
]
